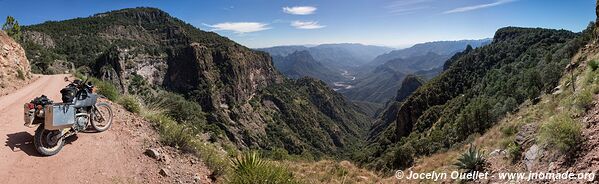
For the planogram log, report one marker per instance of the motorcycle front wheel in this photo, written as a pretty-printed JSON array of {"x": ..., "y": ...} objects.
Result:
[
  {"x": 48, "y": 142},
  {"x": 102, "y": 117}
]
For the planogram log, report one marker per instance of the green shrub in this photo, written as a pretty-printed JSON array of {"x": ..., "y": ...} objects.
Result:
[
  {"x": 339, "y": 170},
  {"x": 509, "y": 130},
  {"x": 130, "y": 103},
  {"x": 172, "y": 133},
  {"x": 403, "y": 157},
  {"x": 177, "y": 108},
  {"x": 584, "y": 99},
  {"x": 471, "y": 160},
  {"x": 514, "y": 152},
  {"x": 593, "y": 64},
  {"x": 107, "y": 89},
  {"x": 561, "y": 132},
  {"x": 213, "y": 158},
  {"x": 182, "y": 136},
  {"x": 277, "y": 154},
  {"x": 20, "y": 74},
  {"x": 250, "y": 168}
]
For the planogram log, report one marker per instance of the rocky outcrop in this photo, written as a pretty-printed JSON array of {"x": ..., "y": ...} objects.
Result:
[
  {"x": 223, "y": 81},
  {"x": 231, "y": 75},
  {"x": 389, "y": 115},
  {"x": 14, "y": 66},
  {"x": 119, "y": 65},
  {"x": 408, "y": 86},
  {"x": 39, "y": 38}
]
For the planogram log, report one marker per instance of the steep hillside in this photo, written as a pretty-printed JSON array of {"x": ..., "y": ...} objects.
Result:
[
  {"x": 240, "y": 91},
  {"x": 410, "y": 84},
  {"x": 478, "y": 88},
  {"x": 302, "y": 64},
  {"x": 14, "y": 66},
  {"x": 553, "y": 133}
]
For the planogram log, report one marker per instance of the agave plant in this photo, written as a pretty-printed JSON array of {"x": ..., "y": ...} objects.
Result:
[
  {"x": 250, "y": 168},
  {"x": 247, "y": 162},
  {"x": 471, "y": 160}
]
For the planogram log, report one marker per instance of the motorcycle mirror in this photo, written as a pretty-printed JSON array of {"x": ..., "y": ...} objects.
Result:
[
  {"x": 66, "y": 79},
  {"x": 86, "y": 78}
]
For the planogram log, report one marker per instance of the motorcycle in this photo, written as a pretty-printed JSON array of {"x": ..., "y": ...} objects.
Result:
[{"x": 55, "y": 122}]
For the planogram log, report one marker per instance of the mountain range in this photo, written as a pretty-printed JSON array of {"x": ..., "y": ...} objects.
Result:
[
  {"x": 242, "y": 94},
  {"x": 378, "y": 81},
  {"x": 342, "y": 55},
  {"x": 379, "y": 107},
  {"x": 439, "y": 47},
  {"x": 301, "y": 64}
]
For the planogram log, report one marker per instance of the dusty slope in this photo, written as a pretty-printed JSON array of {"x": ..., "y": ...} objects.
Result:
[
  {"x": 14, "y": 66},
  {"x": 114, "y": 156}
]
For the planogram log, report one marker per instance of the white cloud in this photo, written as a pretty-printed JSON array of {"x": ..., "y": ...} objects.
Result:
[
  {"x": 240, "y": 27},
  {"x": 299, "y": 10},
  {"x": 476, "y": 7},
  {"x": 406, "y": 3},
  {"x": 306, "y": 24},
  {"x": 405, "y": 7}
]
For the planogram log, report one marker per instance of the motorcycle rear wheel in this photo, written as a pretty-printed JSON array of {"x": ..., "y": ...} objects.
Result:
[
  {"x": 43, "y": 141},
  {"x": 102, "y": 117}
]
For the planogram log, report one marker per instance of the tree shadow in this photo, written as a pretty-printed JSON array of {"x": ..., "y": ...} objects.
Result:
[{"x": 23, "y": 141}]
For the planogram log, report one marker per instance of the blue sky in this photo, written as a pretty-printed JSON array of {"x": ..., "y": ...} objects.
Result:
[{"x": 398, "y": 23}]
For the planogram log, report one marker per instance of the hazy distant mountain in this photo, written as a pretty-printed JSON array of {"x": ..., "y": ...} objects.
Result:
[
  {"x": 428, "y": 61},
  {"x": 283, "y": 50},
  {"x": 379, "y": 80},
  {"x": 438, "y": 47},
  {"x": 378, "y": 86},
  {"x": 347, "y": 54},
  {"x": 301, "y": 64},
  {"x": 342, "y": 55}
]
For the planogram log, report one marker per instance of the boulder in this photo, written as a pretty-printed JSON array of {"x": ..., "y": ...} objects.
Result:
[
  {"x": 165, "y": 172},
  {"x": 531, "y": 156},
  {"x": 152, "y": 152}
]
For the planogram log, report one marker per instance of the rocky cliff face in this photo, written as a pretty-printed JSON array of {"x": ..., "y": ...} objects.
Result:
[
  {"x": 389, "y": 115},
  {"x": 14, "y": 66},
  {"x": 408, "y": 86},
  {"x": 239, "y": 88}
]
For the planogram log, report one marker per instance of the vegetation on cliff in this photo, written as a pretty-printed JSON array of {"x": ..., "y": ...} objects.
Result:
[
  {"x": 478, "y": 88},
  {"x": 242, "y": 98}
]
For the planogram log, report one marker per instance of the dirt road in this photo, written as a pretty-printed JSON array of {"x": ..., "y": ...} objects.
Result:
[{"x": 114, "y": 156}]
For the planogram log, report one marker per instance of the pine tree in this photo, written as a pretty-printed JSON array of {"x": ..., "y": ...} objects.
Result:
[{"x": 12, "y": 28}]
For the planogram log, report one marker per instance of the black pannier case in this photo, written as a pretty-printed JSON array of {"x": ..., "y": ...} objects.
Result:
[{"x": 68, "y": 94}]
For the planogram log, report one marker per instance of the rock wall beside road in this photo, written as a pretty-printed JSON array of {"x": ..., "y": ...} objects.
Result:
[{"x": 14, "y": 66}]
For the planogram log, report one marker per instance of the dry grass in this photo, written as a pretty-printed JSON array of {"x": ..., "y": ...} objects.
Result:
[{"x": 329, "y": 171}]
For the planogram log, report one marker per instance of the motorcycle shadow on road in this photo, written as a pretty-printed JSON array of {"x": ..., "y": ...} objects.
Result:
[{"x": 23, "y": 141}]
